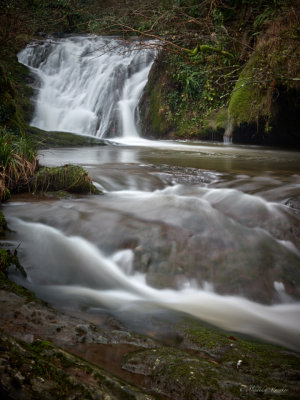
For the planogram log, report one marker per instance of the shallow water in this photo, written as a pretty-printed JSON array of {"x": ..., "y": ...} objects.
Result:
[{"x": 210, "y": 230}]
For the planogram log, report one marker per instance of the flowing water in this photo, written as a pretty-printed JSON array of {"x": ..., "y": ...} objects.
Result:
[
  {"x": 88, "y": 85},
  {"x": 208, "y": 230}
]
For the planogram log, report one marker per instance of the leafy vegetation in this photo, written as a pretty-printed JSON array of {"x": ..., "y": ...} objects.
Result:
[
  {"x": 18, "y": 162},
  {"x": 240, "y": 53}
]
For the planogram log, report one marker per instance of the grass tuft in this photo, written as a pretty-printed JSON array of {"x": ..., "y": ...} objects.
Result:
[{"x": 18, "y": 163}]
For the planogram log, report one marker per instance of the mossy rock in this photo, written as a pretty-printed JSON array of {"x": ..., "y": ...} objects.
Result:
[
  {"x": 70, "y": 178},
  {"x": 41, "y": 370},
  {"x": 157, "y": 120},
  {"x": 265, "y": 104},
  {"x": 248, "y": 100},
  {"x": 209, "y": 363},
  {"x": 45, "y": 139}
]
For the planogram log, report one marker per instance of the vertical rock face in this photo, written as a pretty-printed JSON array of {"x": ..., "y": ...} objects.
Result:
[
  {"x": 156, "y": 119},
  {"x": 166, "y": 112}
]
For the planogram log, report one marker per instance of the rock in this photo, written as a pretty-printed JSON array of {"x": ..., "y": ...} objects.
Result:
[
  {"x": 70, "y": 178},
  {"x": 39, "y": 348},
  {"x": 264, "y": 107}
]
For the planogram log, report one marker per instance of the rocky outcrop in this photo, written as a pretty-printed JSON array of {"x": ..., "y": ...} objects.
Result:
[
  {"x": 265, "y": 104},
  {"x": 166, "y": 112},
  {"x": 47, "y": 354}
]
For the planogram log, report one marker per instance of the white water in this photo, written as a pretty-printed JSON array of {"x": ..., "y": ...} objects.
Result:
[
  {"x": 88, "y": 89},
  {"x": 88, "y": 85},
  {"x": 89, "y": 279}
]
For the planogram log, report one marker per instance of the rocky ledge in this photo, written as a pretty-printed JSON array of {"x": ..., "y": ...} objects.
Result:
[{"x": 48, "y": 354}]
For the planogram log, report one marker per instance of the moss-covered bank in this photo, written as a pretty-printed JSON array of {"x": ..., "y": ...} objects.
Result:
[
  {"x": 265, "y": 104},
  {"x": 179, "y": 102},
  {"x": 253, "y": 95}
]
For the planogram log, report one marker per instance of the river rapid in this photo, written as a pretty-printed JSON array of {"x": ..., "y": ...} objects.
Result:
[
  {"x": 220, "y": 244},
  {"x": 209, "y": 230}
]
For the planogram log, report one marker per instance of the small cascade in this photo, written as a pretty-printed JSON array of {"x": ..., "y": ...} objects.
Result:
[
  {"x": 227, "y": 138},
  {"x": 103, "y": 283},
  {"x": 88, "y": 85}
]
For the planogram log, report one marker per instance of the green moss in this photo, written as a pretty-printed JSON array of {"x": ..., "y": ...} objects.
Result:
[
  {"x": 210, "y": 363},
  {"x": 159, "y": 111},
  {"x": 10, "y": 286},
  {"x": 248, "y": 100},
  {"x": 40, "y": 345},
  {"x": 155, "y": 100},
  {"x": 225, "y": 347},
  {"x": 221, "y": 119},
  {"x": 264, "y": 105},
  {"x": 71, "y": 178},
  {"x": 44, "y": 139}
]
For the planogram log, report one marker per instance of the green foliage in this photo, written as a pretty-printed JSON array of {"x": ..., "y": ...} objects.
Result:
[
  {"x": 269, "y": 12},
  {"x": 17, "y": 162},
  {"x": 199, "y": 89},
  {"x": 273, "y": 65},
  {"x": 13, "y": 146}
]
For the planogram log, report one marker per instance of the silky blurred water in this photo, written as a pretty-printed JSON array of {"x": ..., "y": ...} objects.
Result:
[{"x": 210, "y": 230}]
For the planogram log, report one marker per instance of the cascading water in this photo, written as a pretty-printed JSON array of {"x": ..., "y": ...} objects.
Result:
[
  {"x": 88, "y": 85},
  {"x": 208, "y": 215},
  {"x": 87, "y": 278}
]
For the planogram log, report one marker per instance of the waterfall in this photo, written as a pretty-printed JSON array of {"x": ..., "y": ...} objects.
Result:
[
  {"x": 88, "y": 85},
  {"x": 227, "y": 138}
]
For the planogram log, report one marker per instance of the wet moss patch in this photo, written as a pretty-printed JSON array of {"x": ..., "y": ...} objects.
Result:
[
  {"x": 209, "y": 363},
  {"x": 70, "y": 178},
  {"x": 41, "y": 370},
  {"x": 10, "y": 286},
  {"x": 44, "y": 139}
]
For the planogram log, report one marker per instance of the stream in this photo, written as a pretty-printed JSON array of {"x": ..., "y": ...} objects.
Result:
[{"x": 209, "y": 230}]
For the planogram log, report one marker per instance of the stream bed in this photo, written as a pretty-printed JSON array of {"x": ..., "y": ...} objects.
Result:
[{"x": 206, "y": 230}]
